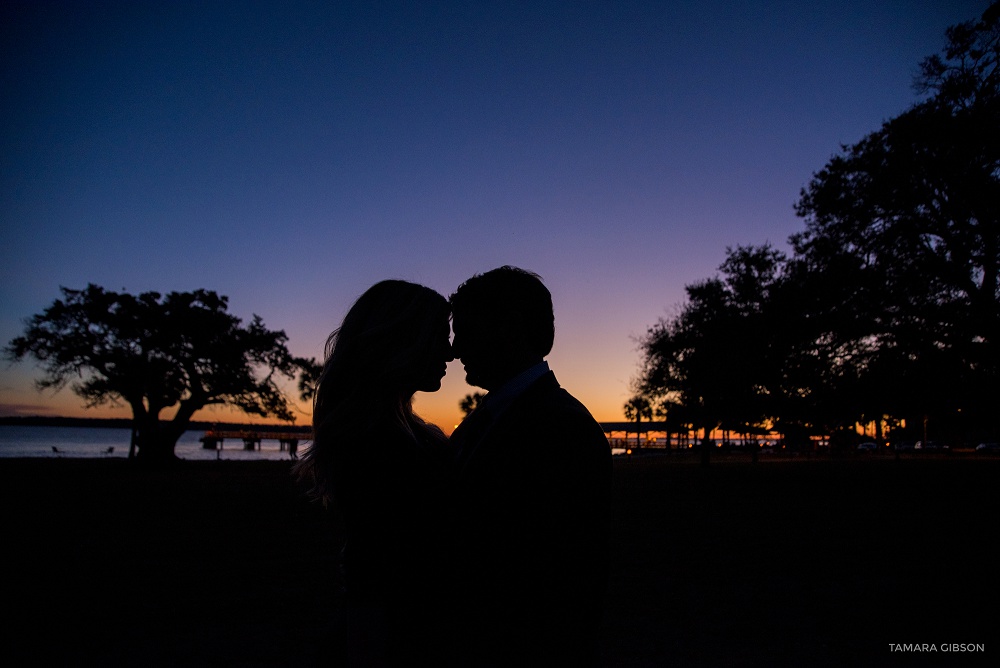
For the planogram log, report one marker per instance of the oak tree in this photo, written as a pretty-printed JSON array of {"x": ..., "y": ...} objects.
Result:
[{"x": 153, "y": 352}]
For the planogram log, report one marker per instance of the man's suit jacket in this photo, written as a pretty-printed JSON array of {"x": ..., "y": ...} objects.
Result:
[{"x": 532, "y": 498}]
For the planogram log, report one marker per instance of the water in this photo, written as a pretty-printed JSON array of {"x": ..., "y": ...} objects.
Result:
[{"x": 20, "y": 441}]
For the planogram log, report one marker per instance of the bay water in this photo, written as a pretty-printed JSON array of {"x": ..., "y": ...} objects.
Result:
[{"x": 24, "y": 441}]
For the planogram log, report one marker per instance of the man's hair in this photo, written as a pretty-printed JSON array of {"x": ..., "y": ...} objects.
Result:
[{"x": 509, "y": 293}]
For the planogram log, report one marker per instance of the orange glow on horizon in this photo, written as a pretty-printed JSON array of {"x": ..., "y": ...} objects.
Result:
[{"x": 441, "y": 408}]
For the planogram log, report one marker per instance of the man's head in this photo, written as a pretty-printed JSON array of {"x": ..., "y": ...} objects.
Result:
[{"x": 503, "y": 324}]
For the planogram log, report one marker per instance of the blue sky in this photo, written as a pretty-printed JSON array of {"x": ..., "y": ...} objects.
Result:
[{"x": 290, "y": 154}]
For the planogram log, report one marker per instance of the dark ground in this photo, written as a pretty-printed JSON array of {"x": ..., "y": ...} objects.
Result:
[{"x": 783, "y": 563}]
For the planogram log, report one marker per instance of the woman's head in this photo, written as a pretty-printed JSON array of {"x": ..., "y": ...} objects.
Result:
[{"x": 393, "y": 341}]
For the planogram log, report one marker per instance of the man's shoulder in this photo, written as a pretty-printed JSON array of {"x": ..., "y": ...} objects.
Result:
[
  {"x": 547, "y": 404},
  {"x": 544, "y": 393}
]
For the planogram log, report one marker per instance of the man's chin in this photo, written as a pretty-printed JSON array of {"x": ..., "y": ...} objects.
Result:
[
  {"x": 473, "y": 380},
  {"x": 429, "y": 385}
]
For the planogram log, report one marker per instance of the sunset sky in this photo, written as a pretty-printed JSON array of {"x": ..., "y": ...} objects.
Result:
[{"x": 290, "y": 154}]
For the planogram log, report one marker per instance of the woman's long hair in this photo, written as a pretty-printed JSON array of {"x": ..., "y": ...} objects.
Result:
[{"x": 370, "y": 362}]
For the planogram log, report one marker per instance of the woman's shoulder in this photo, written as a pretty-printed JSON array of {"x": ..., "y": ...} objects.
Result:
[
  {"x": 435, "y": 451},
  {"x": 433, "y": 431}
]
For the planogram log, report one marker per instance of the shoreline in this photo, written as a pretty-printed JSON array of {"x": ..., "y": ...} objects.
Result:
[{"x": 126, "y": 423}]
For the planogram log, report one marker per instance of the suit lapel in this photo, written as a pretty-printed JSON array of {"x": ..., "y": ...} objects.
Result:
[
  {"x": 475, "y": 430},
  {"x": 470, "y": 434}
]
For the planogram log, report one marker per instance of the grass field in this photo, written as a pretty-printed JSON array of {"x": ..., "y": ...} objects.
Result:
[{"x": 782, "y": 563}]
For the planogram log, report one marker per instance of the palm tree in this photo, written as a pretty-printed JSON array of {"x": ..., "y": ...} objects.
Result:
[
  {"x": 470, "y": 402},
  {"x": 636, "y": 408}
]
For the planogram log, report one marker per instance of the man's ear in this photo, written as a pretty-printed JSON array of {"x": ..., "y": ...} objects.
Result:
[{"x": 518, "y": 335}]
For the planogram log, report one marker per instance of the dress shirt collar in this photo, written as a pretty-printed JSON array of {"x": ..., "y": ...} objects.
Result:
[{"x": 499, "y": 400}]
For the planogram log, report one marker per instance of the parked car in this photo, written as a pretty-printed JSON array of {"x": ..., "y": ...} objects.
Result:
[
  {"x": 988, "y": 448},
  {"x": 868, "y": 446},
  {"x": 903, "y": 446}
]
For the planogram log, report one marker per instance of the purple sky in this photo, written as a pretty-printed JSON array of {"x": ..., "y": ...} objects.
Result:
[{"x": 290, "y": 154}]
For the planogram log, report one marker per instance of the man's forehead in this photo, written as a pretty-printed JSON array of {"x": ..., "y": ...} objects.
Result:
[{"x": 473, "y": 319}]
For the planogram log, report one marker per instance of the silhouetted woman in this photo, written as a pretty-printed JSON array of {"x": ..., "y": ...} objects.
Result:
[{"x": 383, "y": 467}]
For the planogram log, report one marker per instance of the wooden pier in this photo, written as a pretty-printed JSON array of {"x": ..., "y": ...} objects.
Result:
[{"x": 287, "y": 440}]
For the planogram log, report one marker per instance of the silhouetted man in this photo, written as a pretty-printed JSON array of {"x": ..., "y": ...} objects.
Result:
[{"x": 532, "y": 479}]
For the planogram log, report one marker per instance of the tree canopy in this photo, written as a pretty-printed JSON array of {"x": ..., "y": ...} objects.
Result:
[
  {"x": 709, "y": 366},
  {"x": 470, "y": 402},
  {"x": 889, "y": 306},
  {"x": 154, "y": 352},
  {"x": 913, "y": 212}
]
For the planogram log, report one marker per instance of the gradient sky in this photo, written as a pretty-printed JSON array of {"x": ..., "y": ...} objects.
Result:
[{"x": 291, "y": 154}]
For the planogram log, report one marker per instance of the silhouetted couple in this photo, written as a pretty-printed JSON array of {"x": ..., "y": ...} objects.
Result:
[{"x": 490, "y": 548}]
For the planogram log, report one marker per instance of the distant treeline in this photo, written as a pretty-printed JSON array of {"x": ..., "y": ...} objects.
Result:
[{"x": 126, "y": 423}]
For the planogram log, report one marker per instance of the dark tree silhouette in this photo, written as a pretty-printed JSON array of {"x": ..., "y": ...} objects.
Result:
[
  {"x": 904, "y": 228},
  {"x": 637, "y": 408},
  {"x": 309, "y": 374},
  {"x": 715, "y": 359},
  {"x": 469, "y": 402},
  {"x": 684, "y": 357},
  {"x": 889, "y": 308},
  {"x": 155, "y": 352}
]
